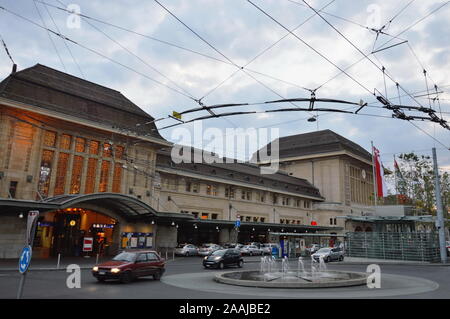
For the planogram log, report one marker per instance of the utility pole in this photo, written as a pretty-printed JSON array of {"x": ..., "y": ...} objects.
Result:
[
  {"x": 375, "y": 195},
  {"x": 440, "y": 214}
]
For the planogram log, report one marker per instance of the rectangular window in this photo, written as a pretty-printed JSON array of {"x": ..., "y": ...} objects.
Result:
[
  {"x": 188, "y": 186},
  {"x": 195, "y": 214},
  {"x": 274, "y": 198},
  {"x": 214, "y": 216},
  {"x": 80, "y": 145},
  {"x": 13, "y": 189},
  {"x": 61, "y": 173},
  {"x": 229, "y": 192},
  {"x": 107, "y": 150},
  {"x": 93, "y": 147},
  {"x": 195, "y": 187},
  {"x": 209, "y": 189},
  {"x": 44, "y": 172},
  {"x": 90, "y": 175},
  {"x": 205, "y": 215},
  {"x": 119, "y": 152},
  {"x": 262, "y": 219},
  {"x": 77, "y": 169},
  {"x": 50, "y": 138},
  {"x": 117, "y": 178},
  {"x": 65, "y": 142},
  {"x": 104, "y": 177}
]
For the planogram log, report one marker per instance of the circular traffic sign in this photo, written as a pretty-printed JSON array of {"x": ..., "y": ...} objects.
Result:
[{"x": 25, "y": 259}]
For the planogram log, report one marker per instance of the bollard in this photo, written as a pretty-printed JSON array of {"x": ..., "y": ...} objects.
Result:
[
  {"x": 59, "y": 259},
  {"x": 96, "y": 260},
  {"x": 173, "y": 254},
  {"x": 166, "y": 254}
]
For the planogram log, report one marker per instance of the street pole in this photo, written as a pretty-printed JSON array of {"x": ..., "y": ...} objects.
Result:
[
  {"x": 440, "y": 215},
  {"x": 375, "y": 195}
]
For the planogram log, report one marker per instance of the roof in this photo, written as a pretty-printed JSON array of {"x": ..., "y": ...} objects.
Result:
[
  {"x": 318, "y": 142},
  {"x": 66, "y": 94},
  {"x": 388, "y": 219},
  {"x": 235, "y": 171}
]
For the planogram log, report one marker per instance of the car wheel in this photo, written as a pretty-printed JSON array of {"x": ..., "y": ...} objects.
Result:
[
  {"x": 126, "y": 277},
  {"x": 220, "y": 265},
  {"x": 328, "y": 259},
  {"x": 341, "y": 258},
  {"x": 186, "y": 254},
  {"x": 157, "y": 276},
  {"x": 240, "y": 263}
]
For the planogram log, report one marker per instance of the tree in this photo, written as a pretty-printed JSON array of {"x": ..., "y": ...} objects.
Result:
[{"x": 416, "y": 182}]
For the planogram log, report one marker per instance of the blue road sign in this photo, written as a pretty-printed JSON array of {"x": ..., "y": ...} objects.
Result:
[
  {"x": 25, "y": 259},
  {"x": 238, "y": 223}
]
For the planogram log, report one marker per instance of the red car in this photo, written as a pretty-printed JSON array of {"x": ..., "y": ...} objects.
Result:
[{"x": 129, "y": 265}]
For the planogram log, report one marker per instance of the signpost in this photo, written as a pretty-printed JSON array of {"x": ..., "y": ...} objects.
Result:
[{"x": 25, "y": 256}]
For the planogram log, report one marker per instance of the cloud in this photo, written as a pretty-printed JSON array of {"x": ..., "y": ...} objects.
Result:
[{"x": 241, "y": 33}]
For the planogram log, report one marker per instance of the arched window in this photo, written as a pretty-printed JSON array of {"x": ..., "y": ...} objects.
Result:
[{"x": 358, "y": 228}]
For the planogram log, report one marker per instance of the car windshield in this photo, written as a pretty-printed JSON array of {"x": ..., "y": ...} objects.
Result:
[
  {"x": 324, "y": 250},
  {"x": 219, "y": 252},
  {"x": 206, "y": 245},
  {"x": 181, "y": 246},
  {"x": 124, "y": 256}
]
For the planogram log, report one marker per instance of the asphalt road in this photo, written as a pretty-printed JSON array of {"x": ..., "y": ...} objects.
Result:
[{"x": 52, "y": 284}]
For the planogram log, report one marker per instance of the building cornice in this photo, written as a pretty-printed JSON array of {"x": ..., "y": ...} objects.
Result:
[
  {"x": 76, "y": 120},
  {"x": 234, "y": 183}
]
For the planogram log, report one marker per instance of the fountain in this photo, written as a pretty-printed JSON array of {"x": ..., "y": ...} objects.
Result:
[{"x": 270, "y": 275}]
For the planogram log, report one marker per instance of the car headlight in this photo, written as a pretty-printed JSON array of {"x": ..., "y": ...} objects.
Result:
[
  {"x": 217, "y": 258},
  {"x": 115, "y": 270},
  {"x": 95, "y": 268}
]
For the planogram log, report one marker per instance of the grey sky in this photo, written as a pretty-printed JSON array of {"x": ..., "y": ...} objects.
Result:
[{"x": 240, "y": 32}]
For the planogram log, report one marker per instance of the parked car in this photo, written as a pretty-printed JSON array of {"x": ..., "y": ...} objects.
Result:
[
  {"x": 267, "y": 248},
  {"x": 207, "y": 249},
  {"x": 223, "y": 258},
  {"x": 186, "y": 250},
  {"x": 251, "y": 250},
  {"x": 328, "y": 254},
  {"x": 129, "y": 265},
  {"x": 313, "y": 248},
  {"x": 447, "y": 244}
]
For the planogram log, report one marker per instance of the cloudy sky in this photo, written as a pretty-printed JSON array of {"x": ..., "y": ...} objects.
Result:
[{"x": 163, "y": 53}]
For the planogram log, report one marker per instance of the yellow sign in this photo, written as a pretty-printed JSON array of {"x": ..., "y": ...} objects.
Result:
[{"x": 176, "y": 115}]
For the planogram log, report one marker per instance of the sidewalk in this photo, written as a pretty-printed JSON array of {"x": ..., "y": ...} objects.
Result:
[
  {"x": 359, "y": 261},
  {"x": 52, "y": 263}
]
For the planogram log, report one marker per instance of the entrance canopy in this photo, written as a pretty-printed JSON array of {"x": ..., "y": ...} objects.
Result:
[{"x": 126, "y": 205}]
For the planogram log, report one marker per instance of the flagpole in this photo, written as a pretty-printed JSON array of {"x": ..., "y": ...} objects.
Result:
[
  {"x": 395, "y": 181},
  {"x": 374, "y": 176}
]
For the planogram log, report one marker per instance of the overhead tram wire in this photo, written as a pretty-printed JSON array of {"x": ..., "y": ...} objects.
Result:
[
  {"x": 218, "y": 51},
  {"x": 266, "y": 50},
  {"x": 65, "y": 42},
  {"x": 166, "y": 43},
  {"x": 416, "y": 22},
  {"x": 398, "y": 113},
  {"x": 6, "y": 50},
  {"x": 95, "y": 52},
  {"x": 311, "y": 47},
  {"x": 49, "y": 36},
  {"x": 137, "y": 57}
]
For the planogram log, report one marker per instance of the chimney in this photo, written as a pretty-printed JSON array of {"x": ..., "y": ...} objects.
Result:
[{"x": 14, "y": 68}]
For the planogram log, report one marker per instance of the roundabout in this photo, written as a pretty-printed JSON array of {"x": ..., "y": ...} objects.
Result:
[{"x": 391, "y": 286}]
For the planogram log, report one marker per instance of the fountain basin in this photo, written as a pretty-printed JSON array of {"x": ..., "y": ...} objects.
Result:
[{"x": 328, "y": 279}]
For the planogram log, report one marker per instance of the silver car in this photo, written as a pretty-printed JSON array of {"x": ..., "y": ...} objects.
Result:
[
  {"x": 328, "y": 254},
  {"x": 186, "y": 250},
  {"x": 267, "y": 248},
  {"x": 251, "y": 250},
  {"x": 207, "y": 249}
]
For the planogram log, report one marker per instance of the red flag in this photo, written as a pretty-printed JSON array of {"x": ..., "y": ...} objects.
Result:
[{"x": 379, "y": 174}]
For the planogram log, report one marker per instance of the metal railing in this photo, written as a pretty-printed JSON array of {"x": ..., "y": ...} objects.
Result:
[{"x": 414, "y": 246}]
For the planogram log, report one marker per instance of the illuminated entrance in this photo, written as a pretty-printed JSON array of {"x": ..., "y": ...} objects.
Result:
[{"x": 64, "y": 232}]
